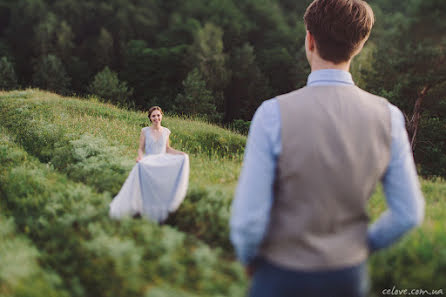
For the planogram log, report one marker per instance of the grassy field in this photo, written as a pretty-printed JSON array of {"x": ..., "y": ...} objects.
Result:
[{"x": 62, "y": 161}]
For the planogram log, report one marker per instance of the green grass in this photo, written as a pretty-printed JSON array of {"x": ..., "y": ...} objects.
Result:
[
  {"x": 52, "y": 128},
  {"x": 94, "y": 256},
  {"x": 89, "y": 147},
  {"x": 418, "y": 261},
  {"x": 20, "y": 272}
]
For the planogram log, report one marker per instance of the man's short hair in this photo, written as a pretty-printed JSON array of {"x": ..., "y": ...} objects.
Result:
[{"x": 338, "y": 27}]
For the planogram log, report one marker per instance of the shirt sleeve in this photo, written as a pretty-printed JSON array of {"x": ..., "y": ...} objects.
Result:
[
  {"x": 254, "y": 194},
  {"x": 402, "y": 190}
]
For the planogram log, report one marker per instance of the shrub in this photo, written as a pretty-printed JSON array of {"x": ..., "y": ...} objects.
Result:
[
  {"x": 93, "y": 161},
  {"x": 240, "y": 126},
  {"x": 205, "y": 213},
  {"x": 418, "y": 260},
  {"x": 20, "y": 272}
]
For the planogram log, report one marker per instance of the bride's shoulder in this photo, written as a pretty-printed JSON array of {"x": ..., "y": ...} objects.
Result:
[
  {"x": 144, "y": 129},
  {"x": 166, "y": 130}
]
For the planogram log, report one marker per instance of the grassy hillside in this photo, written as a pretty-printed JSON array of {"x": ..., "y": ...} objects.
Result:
[{"x": 62, "y": 161}]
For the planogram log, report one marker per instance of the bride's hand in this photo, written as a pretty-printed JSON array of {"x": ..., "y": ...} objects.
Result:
[{"x": 139, "y": 158}]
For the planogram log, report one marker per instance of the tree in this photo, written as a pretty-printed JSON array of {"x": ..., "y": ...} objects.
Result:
[
  {"x": 409, "y": 69},
  {"x": 104, "y": 48},
  {"x": 44, "y": 35},
  {"x": 281, "y": 67},
  {"x": 248, "y": 87},
  {"x": 107, "y": 86},
  {"x": 363, "y": 63},
  {"x": 64, "y": 41},
  {"x": 197, "y": 99},
  {"x": 207, "y": 52},
  {"x": 8, "y": 79},
  {"x": 245, "y": 51},
  {"x": 24, "y": 15},
  {"x": 155, "y": 72},
  {"x": 49, "y": 74}
]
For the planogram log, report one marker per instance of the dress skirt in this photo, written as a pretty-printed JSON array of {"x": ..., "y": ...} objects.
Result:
[{"x": 155, "y": 187}]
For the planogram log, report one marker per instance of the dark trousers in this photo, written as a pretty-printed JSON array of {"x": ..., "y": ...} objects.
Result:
[{"x": 270, "y": 280}]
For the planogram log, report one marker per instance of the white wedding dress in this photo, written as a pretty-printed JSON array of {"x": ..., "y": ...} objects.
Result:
[{"x": 156, "y": 185}]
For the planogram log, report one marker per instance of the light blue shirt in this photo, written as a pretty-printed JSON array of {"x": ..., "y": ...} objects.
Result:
[{"x": 254, "y": 194}]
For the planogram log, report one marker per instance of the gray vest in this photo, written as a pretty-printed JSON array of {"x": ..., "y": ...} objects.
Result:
[{"x": 335, "y": 148}]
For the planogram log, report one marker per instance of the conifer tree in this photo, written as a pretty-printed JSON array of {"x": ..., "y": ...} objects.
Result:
[
  {"x": 49, "y": 74},
  {"x": 207, "y": 51},
  {"x": 106, "y": 85},
  {"x": 8, "y": 79},
  {"x": 197, "y": 99}
]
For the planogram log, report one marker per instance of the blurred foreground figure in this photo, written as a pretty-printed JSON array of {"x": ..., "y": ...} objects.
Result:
[{"x": 313, "y": 158}]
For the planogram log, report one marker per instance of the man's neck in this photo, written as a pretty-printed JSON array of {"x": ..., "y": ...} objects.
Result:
[{"x": 319, "y": 64}]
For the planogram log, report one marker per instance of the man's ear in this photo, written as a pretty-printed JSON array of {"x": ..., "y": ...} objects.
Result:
[{"x": 310, "y": 41}]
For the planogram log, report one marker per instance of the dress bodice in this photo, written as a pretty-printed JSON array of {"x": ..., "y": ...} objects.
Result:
[{"x": 155, "y": 146}]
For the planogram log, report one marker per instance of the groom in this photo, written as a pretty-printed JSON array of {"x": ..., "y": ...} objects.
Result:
[{"x": 313, "y": 158}]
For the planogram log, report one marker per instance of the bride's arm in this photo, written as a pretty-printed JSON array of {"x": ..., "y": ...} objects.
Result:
[
  {"x": 142, "y": 140},
  {"x": 170, "y": 150}
]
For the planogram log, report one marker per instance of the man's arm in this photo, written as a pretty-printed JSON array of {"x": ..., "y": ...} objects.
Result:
[
  {"x": 253, "y": 198},
  {"x": 402, "y": 190}
]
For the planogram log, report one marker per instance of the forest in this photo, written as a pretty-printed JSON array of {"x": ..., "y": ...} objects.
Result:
[{"x": 219, "y": 59}]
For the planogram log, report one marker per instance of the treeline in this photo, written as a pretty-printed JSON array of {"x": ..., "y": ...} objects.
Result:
[
  {"x": 194, "y": 57},
  {"x": 221, "y": 58}
]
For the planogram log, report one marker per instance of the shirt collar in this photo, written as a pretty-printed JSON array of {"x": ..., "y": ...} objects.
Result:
[{"x": 329, "y": 76}]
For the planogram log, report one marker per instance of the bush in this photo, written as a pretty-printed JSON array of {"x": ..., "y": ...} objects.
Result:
[
  {"x": 240, "y": 126},
  {"x": 205, "y": 213},
  {"x": 418, "y": 261},
  {"x": 36, "y": 135},
  {"x": 93, "y": 161},
  {"x": 107, "y": 86},
  {"x": 20, "y": 272}
]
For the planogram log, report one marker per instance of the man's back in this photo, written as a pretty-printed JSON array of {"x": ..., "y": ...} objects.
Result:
[
  {"x": 335, "y": 148},
  {"x": 254, "y": 207}
]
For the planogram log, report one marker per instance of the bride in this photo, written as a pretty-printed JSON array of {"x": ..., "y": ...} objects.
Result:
[{"x": 158, "y": 182}]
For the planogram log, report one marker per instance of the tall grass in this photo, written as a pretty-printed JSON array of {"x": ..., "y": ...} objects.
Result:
[
  {"x": 94, "y": 256},
  {"x": 20, "y": 271},
  {"x": 96, "y": 143},
  {"x": 418, "y": 261}
]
